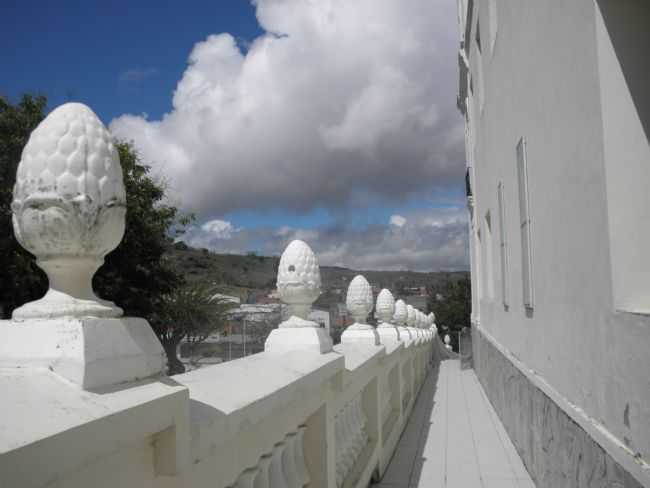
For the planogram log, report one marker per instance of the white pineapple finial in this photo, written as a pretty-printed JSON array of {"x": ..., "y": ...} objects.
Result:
[
  {"x": 401, "y": 313},
  {"x": 410, "y": 316},
  {"x": 400, "y": 317},
  {"x": 299, "y": 286},
  {"x": 359, "y": 302},
  {"x": 69, "y": 207},
  {"x": 359, "y": 299},
  {"x": 385, "y": 308},
  {"x": 298, "y": 280},
  {"x": 385, "y": 311}
]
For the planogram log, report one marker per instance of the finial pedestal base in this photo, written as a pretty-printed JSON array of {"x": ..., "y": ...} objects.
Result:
[
  {"x": 360, "y": 333},
  {"x": 293, "y": 336},
  {"x": 89, "y": 352}
]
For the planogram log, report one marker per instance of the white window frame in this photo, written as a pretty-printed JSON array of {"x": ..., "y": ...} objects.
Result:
[
  {"x": 503, "y": 247},
  {"x": 488, "y": 257},
  {"x": 525, "y": 224}
]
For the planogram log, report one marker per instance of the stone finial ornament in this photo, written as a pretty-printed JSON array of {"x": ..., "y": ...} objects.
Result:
[
  {"x": 69, "y": 207},
  {"x": 432, "y": 324},
  {"x": 299, "y": 286},
  {"x": 410, "y": 316},
  {"x": 385, "y": 308},
  {"x": 298, "y": 280},
  {"x": 401, "y": 313},
  {"x": 419, "y": 324},
  {"x": 359, "y": 300},
  {"x": 385, "y": 311},
  {"x": 411, "y": 322},
  {"x": 447, "y": 341},
  {"x": 400, "y": 317}
]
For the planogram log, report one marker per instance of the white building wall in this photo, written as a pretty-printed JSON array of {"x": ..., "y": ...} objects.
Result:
[{"x": 544, "y": 80}]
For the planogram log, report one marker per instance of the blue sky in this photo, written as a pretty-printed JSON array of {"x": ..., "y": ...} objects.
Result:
[
  {"x": 274, "y": 120},
  {"x": 118, "y": 56}
]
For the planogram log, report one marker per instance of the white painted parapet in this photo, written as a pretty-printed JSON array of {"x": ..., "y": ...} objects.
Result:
[{"x": 85, "y": 404}]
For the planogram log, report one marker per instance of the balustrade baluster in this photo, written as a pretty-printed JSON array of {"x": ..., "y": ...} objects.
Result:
[
  {"x": 276, "y": 474},
  {"x": 262, "y": 480},
  {"x": 289, "y": 462},
  {"x": 303, "y": 472},
  {"x": 247, "y": 478}
]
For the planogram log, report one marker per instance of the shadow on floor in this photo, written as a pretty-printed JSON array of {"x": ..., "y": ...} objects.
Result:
[{"x": 406, "y": 464}]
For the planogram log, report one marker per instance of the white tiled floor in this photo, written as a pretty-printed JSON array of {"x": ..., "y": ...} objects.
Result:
[{"x": 454, "y": 439}]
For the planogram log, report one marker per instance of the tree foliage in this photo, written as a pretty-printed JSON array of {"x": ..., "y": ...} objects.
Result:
[
  {"x": 454, "y": 308},
  {"x": 22, "y": 281},
  {"x": 136, "y": 274},
  {"x": 191, "y": 311}
]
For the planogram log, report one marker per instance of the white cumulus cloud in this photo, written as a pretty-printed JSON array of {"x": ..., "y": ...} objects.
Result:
[
  {"x": 337, "y": 98},
  {"x": 397, "y": 220},
  {"x": 220, "y": 229},
  {"x": 417, "y": 244}
]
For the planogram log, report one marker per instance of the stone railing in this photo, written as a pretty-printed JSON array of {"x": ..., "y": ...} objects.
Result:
[{"x": 85, "y": 399}]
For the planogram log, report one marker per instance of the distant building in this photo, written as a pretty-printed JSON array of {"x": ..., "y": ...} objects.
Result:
[{"x": 243, "y": 334}]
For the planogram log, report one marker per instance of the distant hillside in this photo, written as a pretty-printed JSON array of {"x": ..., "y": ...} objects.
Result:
[{"x": 251, "y": 272}]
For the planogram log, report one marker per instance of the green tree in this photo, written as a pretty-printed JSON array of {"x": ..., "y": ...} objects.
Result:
[
  {"x": 189, "y": 312},
  {"x": 136, "y": 274},
  {"x": 453, "y": 311},
  {"x": 22, "y": 281}
]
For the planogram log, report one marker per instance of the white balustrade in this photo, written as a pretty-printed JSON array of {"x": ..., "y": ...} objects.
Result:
[{"x": 263, "y": 421}]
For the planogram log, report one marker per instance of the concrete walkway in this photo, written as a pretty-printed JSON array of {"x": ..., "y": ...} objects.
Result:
[{"x": 454, "y": 439}]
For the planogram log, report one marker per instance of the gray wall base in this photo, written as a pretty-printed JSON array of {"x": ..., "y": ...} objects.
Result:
[{"x": 556, "y": 451}]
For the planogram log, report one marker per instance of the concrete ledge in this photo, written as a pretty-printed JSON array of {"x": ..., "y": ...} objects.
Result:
[
  {"x": 559, "y": 444},
  {"x": 49, "y": 430}
]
